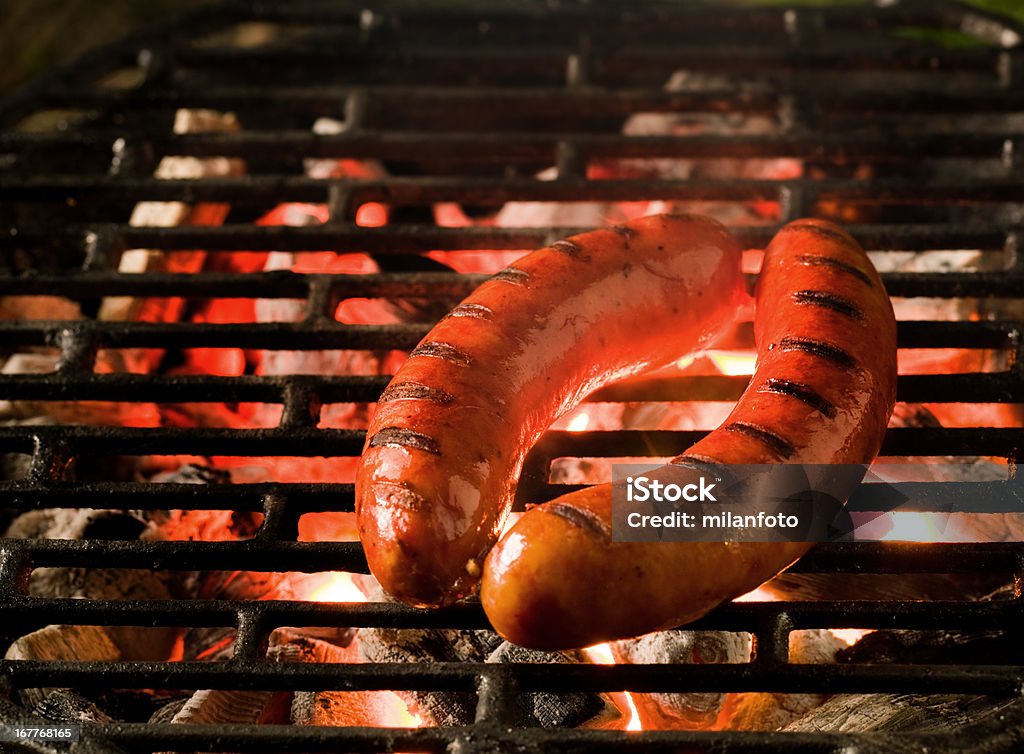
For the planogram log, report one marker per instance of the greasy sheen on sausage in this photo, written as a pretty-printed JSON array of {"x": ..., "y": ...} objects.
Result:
[
  {"x": 446, "y": 444},
  {"x": 822, "y": 392}
]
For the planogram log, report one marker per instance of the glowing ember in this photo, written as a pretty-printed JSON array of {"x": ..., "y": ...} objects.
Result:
[{"x": 601, "y": 654}]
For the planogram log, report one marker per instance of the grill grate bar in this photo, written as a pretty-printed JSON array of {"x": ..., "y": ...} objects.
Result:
[
  {"x": 409, "y": 239},
  {"x": 995, "y": 387},
  {"x": 1002, "y": 442},
  {"x": 331, "y": 335},
  {"x": 273, "y": 189},
  {"x": 1004, "y": 680},
  {"x": 297, "y": 498}
]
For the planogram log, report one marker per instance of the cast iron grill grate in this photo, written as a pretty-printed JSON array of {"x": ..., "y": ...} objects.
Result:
[{"x": 466, "y": 104}]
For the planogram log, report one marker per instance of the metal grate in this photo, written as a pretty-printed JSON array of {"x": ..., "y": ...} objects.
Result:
[{"x": 466, "y": 104}]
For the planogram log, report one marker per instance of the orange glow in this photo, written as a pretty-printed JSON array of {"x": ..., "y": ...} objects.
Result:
[
  {"x": 579, "y": 423},
  {"x": 371, "y": 215},
  {"x": 761, "y": 594},
  {"x": 601, "y": 654},
  {"x": 850, "y": 635},
  {"x": 733, "y": 362},
  {"x": 905, "y": 526}
]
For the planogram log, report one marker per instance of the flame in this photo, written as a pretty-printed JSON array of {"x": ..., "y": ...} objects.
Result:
[
  {"x": 733, "y": 363},
  {"x": 337, "y": 587},
  {"x": 601, "y": 654}
]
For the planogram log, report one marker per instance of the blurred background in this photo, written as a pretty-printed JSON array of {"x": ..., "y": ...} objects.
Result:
[{"x": 37, "y": 35}]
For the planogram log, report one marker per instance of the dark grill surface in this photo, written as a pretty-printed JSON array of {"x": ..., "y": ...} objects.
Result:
[{"x": 466, "y": 104}]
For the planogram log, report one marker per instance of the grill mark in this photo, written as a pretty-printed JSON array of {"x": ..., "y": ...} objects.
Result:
[
  {"x": 406, "y": 438},
  {"x": 473, "y": 311},
  {"x": 705, "y": 465},
  {"x": 416, "y": 391},
  {"x": 837, "y": 264},
  {"x": 624, "y": 231},
  {"x": 832, "y": 235},
  {"x": 835, "y": 354},
  {"x": 583, "y": 519},
  {"x": 827, "y": 300},
  {"x": 568, "y": 248},
  {"x": 780, "y": 445},
  {"x": 444, "y": 351},
  {"x": 801, "y": 392},
  {"x": 693, "y": 458},
  {"x": 512, "y": 275}
]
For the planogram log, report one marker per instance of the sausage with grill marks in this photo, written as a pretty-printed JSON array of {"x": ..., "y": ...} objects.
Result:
[
  {"x": 446, "y": 444},
  {"x": 822, "y": 392}
]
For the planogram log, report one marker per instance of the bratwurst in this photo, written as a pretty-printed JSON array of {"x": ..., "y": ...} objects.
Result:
[
  {"x": 822, "y": 392},
  {"x": 446, "y": 444}
]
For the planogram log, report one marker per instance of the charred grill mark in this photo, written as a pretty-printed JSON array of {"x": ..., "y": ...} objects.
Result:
[
  {"x": 835, "y": 354},
  {"x": 473, "y": 311},
  {"x": 406, "y": 438},
  {"x": 624, "y": 230},
  {"x": 705, "y": 465},
  {"x": 829, "y": 233},
  {"x": 839, "y": 265},
  {"x": 780, "y": 445},
  {"x": 581, "y": 518},
  {"x": 567, "y": 247},
  {"x": 827, "y": 300},
  {"x": 690, "y": 459},
  {"x": 444, "y": 351},
  {"x": 801, "y": 392},
  {"x": 513, "y": 275},
  {"x": 415, "y": 391}
]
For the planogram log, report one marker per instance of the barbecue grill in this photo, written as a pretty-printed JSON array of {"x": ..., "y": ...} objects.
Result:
[{"x": 465, "y": 105}]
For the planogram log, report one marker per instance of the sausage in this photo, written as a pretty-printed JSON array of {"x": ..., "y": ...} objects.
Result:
[
  {"x": 446, "y": 444},
  {"x": 822, "y": 392}
]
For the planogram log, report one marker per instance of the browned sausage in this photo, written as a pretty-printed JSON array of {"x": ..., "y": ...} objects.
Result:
[
  {"x": 446, "y": 444},
  {"x": 822, "y": 392}
]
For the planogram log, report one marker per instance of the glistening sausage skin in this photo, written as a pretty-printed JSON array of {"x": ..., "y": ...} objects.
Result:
[
  {"x": 446, "y": 444},
  {"x": 822, "y": 392}
]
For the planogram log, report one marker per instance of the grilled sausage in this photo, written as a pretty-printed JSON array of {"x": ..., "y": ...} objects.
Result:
[
  {"x": 822, "y": 392},
  {"x": 446, "y": 444}
]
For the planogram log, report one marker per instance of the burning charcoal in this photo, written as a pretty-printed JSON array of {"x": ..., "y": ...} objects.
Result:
[
  {"x": 66, "y": 706},
  {"x": 61, "y": 643},
  {"x": 133, "y": 642},
  {"x": 168, "y": 214},
  {"x": 899, "y": 712},
  {"x": 936, "y": 647},
  {"x": 340, "y": 707},
  {"x": 773, "y": 711},
  {"x": 441, "y": 708},
  {"x": 682, "y": 710},
  {"x": 551, "y": 710},
  {"x": 70, "y": 412},
  {"x": 12, "y": 714}
]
